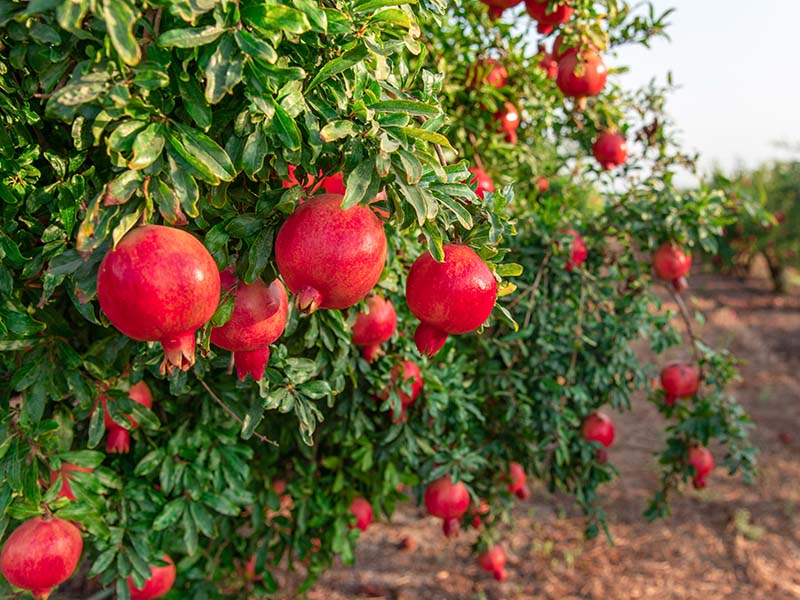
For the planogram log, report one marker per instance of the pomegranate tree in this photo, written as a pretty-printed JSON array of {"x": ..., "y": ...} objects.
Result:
[
  {"x": 330, "y": 257},
  {"x": 118, "y": 440},
  {"x": 448, "y": 501},
  {"x": 701, "y": 459},
  {"x": 451, "y": 297},
  {"x": 258, "y": 319},
  {"x": 160, "y": 582},
  {"x": 374, "y": 327},
  {"x": 160, "y": 284},
  {"x": 362, "y": 509},
  {"x": 40, "y": 554},
  {"x": 610, "y": 150},
  {"x": 493, "y": 560},
  {"x": 672, "y": 264},
  {"x": 679, "y": 380}
]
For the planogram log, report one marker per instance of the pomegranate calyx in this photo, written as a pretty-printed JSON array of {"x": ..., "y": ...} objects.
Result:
[
  {"x": 178, "y": 353},
  {"x": 118, "y": 441},
  {"x": 307, "y": 300},
  {"x": 42, "y": 594},
  {"x": 429, "y": 339},
  {"x": 371, "y": 352},
  {"x": 251, "y": 362}
]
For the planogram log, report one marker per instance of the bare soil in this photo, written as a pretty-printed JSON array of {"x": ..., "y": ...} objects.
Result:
[{"x": 730, "y": 541}]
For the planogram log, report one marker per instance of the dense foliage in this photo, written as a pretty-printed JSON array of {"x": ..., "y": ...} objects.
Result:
[{"x": 190, "y": 113}]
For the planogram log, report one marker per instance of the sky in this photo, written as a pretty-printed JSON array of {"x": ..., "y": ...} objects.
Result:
[{"x": 736, "y": 64}]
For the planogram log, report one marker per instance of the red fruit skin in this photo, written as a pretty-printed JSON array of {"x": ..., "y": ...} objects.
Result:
[
  {"x": 41, "y": 554},
  {"x": 501, "y": 575},
  {"x": 578, "y": 251},
  {"x": 410, "y": 371},
  {"x": 375, "y": 326},
  {"x": 258, "y": 319},
  {"x": 445, "y": 499},
  {"x": 483, "y": 182},
  {"x": 670, "y": 262},
  {"x": 329, "y": 257},
  {"x": 549, "y": 64},
  {"x": 509, "y": 122},
  {"x": 610, "y": 150},
  {"x": 451, "y": 527},
  {"x": 334, "y": 184},
  {"x": 543, "y": 184},
  {"x": 539, "y": 10},
  {"x": 452, "y": 297},
  {"x": 493, "y": 71},
  {"x": 160, "y": 284},
  {"x": 517, "y": 476},
  {"x": 598, "y": 427},
  {"x": 703, "y": 462},
  {"x": 523, "y": 493},
  {"x": 160, "y": 582},
  {"x": 679, "y": 380},
  {"x": 66, "y": 469},
  {"x": 496, "y": 7},
  {"x": 118, "y": 440},
  {"x": 362, "y": 509},
  {"x": 493, "y": 560},
  {"x": 578, "y": 78}
]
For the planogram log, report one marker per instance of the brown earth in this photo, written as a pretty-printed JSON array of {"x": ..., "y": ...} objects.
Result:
[{"x": 730, "y": 541}]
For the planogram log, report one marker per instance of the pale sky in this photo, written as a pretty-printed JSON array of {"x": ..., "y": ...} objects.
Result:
[{"x": 736, "y": 62}]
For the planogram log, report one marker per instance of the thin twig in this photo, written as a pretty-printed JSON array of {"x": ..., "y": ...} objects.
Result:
[
  {"x": 534, "y": 287},
  {"x": 686, "y": 319},
  {"x": 578, "y": 333},
  {"x": 440, "y": 154},
  {"x": 229, "y": 410},
  {"x": 474, "y": 141}
]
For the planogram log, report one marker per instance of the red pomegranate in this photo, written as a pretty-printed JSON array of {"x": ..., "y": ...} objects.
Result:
[
  {"x": 40, "y": 554},
  {"x": 610, "y": 150},
  {"x": 494, "y": 561},
  {"x": 118, "y": 440},
  {"x": 487, "y": 71},
  {"x": 410, "y": 371},
  {"x": 258, "y": 319},
  {"x": 518, "y": 477},
  {"x": 333, "y": 184},
  {"x": 672, "y": 264},
  {"x": 541, "y": 11},
  {"x": 452, "y": 297},
  {"x": 329, "y": 257},
  {"x": 549, "y": 64},
  {"x": 496, "y": 7},
  {"x": 482, "y": 181},
  {"x": 362, "y": 510},
  {"x": 448, "y": 501},
  {"x": 679, "y": 380},
  {"x": 523, "y": 493},
  {"x": 160, "y": 284},
  {"x": 581, "y": 74},
  {"x": 598, "y": 427},
  {"x": 375, "y": 326},
  {"x": 703, "y": 462},
  {"x": 66, "y": 469},
  {"x": 543, "y": 184},
  {"x": 578, "y": 251},
  {"x": 160, "y": 582},
  {"x": 509, "y": 121}
]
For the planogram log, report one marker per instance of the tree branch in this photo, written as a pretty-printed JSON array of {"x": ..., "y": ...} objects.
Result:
[{"x": 236, "y": 417}]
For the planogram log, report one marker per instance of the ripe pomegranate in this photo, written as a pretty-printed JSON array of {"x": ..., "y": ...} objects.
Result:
[
  {"x": 329, "y": 257},
  {"x": 672, "y": 264},
  {"x": 610, "y": 150},
  {"x": 523, "y": 493},
  {"x": 550, "y": 65},
  {"x": 40, "y": 554},
  {"x": 543, "y": 184},
  {"x": 448, "y": 501},
  {"x": 482, "y": 180},
  {"x": 477, "y": 511},
  {"x": 540, "y": 10},
  {"x": 375, "y": 326},
  {"x": 362, "y": 509},
  {"x": 452, "y": 297},
  {"x": 333, "y": 184},
  {"x": 160, "y": 284},
  {"x": 410, "y": 370},
  {"x": 509, "y": 121},
  {"x": 258, "y": 319},
  {"x": 118, "y": 440},
  {"x": 598, "y": 427},
  {"x": 581, "y": 74},
  {"x": 703, "y": 462},
  {"x": 494, "y": 561},
  {"x": 160, "y": 582},
  {"x": 578, "y": 251},
  {"x": 496, "y": 7},
  {"x": 518, "y": 477},
  {"x": 487, "y": 71},
  {"x": 679, "y": 380},
  {"x": 66, "y": 469}
]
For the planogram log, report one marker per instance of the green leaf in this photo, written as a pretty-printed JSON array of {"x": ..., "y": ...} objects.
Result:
[
  {"x": 207, "y": 151},
  {"x": 224, "y": 70},
  {"x": 408, "y": 107},
  {"x": 252, "y": 418},
  {"x": 269, "y": 17},
  {"x": 428, "y": 136},
  {"x": 191, "y": 37},
  {"x": 362, "y": 182},
  {"x": 120, "y": 18},
  {"x": 286, "y": 128},
  {"x": 122, "y": 188},
  {"x": 372, "y": 5},
  {"x": 195, "y": 102},
  {"x": 350, "y": 58},
  {"x": 339, "y": 129},
  {"x": 170, "y": 514},
  {"x": 147, "y": 146},
  {"x": 255, "y": 47}
]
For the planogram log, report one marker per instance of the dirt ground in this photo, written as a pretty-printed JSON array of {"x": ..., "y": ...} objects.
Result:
[{"x": 730, "y": 541}]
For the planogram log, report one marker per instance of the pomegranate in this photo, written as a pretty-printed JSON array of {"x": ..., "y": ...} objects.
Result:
[
  {"x": 487, "y": 71},
  {"x": 558, "y": 15},
  {"x": 544, "y": 28},
  {"x": 362, "y": 510},
  {"x": 482, "y": 181},
  {"x": 550, "y": 65},
  {"x": 160, "y": 284},
  {"x": 118, "y": 440},
  {"x": 493, "y": 560},
  {"x": 703, "y": 462},
  {"x": 40, "y": 554},
  {"x": 258, "y": 319},
  {"x": 509, "y": 122},
  {"x": 333, "y": 184},
  {"x": 679, "y": 380},
  {"x": 410, "y": 370},
  {"x": 329, "y": 257},
  {"x": 448, "y": 501},
  {"x": 517, "y": 476},
  {"x": 374, "y": 327},
  {"x": 160, "y": 582},
  {"x": 451, "y": 527},
  {"x": 496, "y": 7},
  {"x": 543, "y": 184},
  {"x": 523, "y": 493},
  {"x": 581, "y": 74},
  {"x": 66, "y": 469},
  {"x": 672, "y": 264},
  {"x": 477, "y": 512},
  {"x": 452, "y": 297},
  {"x": 598, "y": 427},
  {"x": 578, "y": 252},
  {"x": 610, "y": 150}
]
